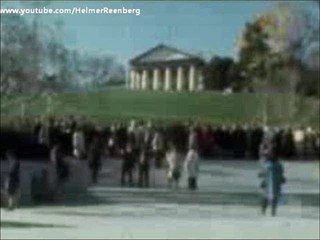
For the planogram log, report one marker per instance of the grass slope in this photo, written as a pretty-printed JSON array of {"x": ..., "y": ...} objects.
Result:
[{"x": 205, "y": 106}]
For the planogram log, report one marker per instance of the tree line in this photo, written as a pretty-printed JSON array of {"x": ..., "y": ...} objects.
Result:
[
  {"x": 277, "y": 51},
  {"x": 35, "y": 59}
]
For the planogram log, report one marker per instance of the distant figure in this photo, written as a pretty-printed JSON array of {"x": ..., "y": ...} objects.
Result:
[
  {"x": 174, "y": 169},
  {"x": 78, "y": 143},
  {"x": 265, "y": 149},
  {"x": 256, "y": 136},
  {"x": 192, "y": 138},
  {"x": 157, "y": 148},
  {"x": 192, "y": 167},
  {"x": 36, "y": 129},
  {"x": 144, "y": 167},
  {"x": 112, "y": 142},
  {"x": 122, "y": 137},
  {"x": 62, "y": 169},
  {"x": 72, "y": 124},
  {"x": 272, "y": 178},
  {"x": 239, "y": 142},
  {"x": 128, "y": 163},
  {"x": 289, "y": 144},
  {"x": 94, "y": 157},
  {"x": 43, "y": 135},
  {"x": 13, "y": 181}
]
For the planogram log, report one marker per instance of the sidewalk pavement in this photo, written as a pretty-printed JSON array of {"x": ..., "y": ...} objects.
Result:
[{"x": 225, "y": 176}]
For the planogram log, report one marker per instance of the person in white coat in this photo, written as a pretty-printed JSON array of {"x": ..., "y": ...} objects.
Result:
[
  {"x": 78, "y": 143},
  {"x": 174, "y": 169},
  {"x": 191, "y": 165},
  {"x": 265, "y": 149},
  {"x": 192, "y": 138},
  {"x": 157, "y": 149}
]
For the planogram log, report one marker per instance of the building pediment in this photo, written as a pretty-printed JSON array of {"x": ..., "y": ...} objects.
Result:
[{"x": 163, "y": 53}]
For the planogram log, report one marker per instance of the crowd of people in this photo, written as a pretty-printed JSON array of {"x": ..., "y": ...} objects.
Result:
[
  {"x": 145, "y": 144},
  {"x": 214, "y": 141}
]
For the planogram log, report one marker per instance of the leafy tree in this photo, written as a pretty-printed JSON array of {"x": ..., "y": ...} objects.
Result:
[
  {"x": 223, "y": 72},
  {"x": 34, "y": 59},
  {"x": 19, "y": 55},
  {"x": 273, "y": 48},
  {"x": 216, "y": 73}
]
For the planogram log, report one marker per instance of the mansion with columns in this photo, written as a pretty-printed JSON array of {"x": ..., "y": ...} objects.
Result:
[{"x": 164, "y": 68}]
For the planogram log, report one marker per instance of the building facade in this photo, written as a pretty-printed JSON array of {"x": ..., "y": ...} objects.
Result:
[{"x": 164, "y": 68}]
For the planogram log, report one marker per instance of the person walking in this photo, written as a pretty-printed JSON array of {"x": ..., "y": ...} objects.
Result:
[
  {"x": 144, "y": 167},
  {"x": 94, "y": 157},
  {"x": 13, "y": 181},
  {"x": 272, "y": 178},
  {"x": 265, "y": 149},
  {"x": 128, "y": 163},
  {"x": 192, "y": 138},
  {"x": 78, "y": 143},
  {"x": 174, "y": 169},
  {"x": 192, "y": 167},
  {"x": 62, "y": 168},
  {"x": 157, "y": 148}
]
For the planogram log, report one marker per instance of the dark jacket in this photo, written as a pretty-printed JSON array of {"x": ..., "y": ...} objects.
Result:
[
  {"x": 95, "y": 151},
  {"x": 128, "y": 160},
  {"x": 14, "y": 178}
]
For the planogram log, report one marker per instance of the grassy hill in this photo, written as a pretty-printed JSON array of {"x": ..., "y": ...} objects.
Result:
[{"x": 206, "y": 106}]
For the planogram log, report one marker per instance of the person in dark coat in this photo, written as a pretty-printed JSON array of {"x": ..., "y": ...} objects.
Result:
[
  {"x": 278, "y": 142},
  {"x": 13, "y": 181},
  {"x": 122, "y": 137},
  {"x": 128, "y": 164},
  {"x": 144, "y": 167},
  {"x": 272, "y": 177},
  {"x": 289, "y": 147},
  {"x": 94, "y": 155},
  {"x": 239, "y": 142},
  {"x": 62, "y": 169},
  {"x": 72, "y": 124},
  {"x": 228, "y": 142},
  {"x": 256, "y": 136}
]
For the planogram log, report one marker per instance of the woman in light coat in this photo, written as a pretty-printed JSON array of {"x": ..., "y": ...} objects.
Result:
[
  {"x": 265, "y": 148},
  {"x": 78, "y": 143},
  {"x": 174, "y": 168},
  {"x": 191, "y": 165},
  {"x": 157, "y": 148}
]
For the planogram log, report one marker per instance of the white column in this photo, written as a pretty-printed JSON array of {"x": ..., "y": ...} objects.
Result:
[
  {"x": 200, "y": 84},
  {"x": 167, "y": 79},
  {"x": 144, "y": 80},
  {"x": 192, "y": 73},
  {"x": 179, "y": 78},
  {"x": 155, "y": 85},
  {"x": 137, "y": 81},
  {"x": 132, "y": 79}
]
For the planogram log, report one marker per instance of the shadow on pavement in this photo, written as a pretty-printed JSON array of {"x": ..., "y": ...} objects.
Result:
[{"x": 16, "y": 224}]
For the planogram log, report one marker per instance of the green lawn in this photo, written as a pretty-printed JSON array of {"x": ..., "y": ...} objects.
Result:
[{"x": 206, "y": 106}]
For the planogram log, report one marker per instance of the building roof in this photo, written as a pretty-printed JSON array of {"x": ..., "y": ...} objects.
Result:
[{"x": 163, "y": 53}]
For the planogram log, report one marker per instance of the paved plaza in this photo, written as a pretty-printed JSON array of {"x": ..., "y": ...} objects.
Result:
[
  {"x": 225, "y": 206},
  {"x": 152, "y": 220}
]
